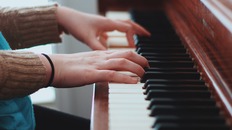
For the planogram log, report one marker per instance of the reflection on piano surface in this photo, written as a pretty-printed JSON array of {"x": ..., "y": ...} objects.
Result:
[{"x": 189, "y": 84}]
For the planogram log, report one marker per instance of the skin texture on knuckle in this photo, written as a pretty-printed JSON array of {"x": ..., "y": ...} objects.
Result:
[
  {"x": 141, "y": 72},
  {"x": 129, "y": 54},
  {"x": 110, "y": 75},
  {"x": 132, "y": 56},
  {"x": 87, "y": 75},
  {"x": 113, "y": 64},
  {"x": 121, "y": 62}
]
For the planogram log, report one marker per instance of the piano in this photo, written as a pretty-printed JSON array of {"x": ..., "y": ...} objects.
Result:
[{"x": 189, "y": 83}]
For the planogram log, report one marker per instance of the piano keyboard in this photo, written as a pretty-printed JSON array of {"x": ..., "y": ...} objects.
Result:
[{"x": 171, "y": 95}]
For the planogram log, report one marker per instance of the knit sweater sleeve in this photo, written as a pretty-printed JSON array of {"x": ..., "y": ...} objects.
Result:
[
  {"x": 21, "y": 73},
  {"x": 29, "y": 26}
]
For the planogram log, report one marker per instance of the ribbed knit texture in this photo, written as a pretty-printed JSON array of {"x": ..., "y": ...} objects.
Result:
[
  {"x": 22, "y": 73},
  {"x": 26, "y": 27}
]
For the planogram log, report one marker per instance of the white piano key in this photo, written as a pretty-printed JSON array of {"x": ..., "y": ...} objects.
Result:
[
  {"x": 127, "y": 119},
  {"x": 119, "y": 112},
  {"x": 132, "y": 101},
  {"x": 125, "y": 96},
  {"x": 136, "y": 86},
  {"x": 125, "y": 85},
  {"x": 126, "y": 91},
  {"x": 117, "y": 42},
  {"x": 116, "y": 34},
  {"x": 131, "y": 105},
  {"x": 126, "y": 123},
  {"x": 116, "y": 15},
  {"x": 132, "y": 119},
  {"x": 128, "y": 73},
  {"x": 122, "y": 49},
  {"x": 128, "y": 107},
  {"x": 126, "y": 99},
  {"x": 127, "y": 127},
  {"x": 135, "y": 118},
  {"x": 135, "y": 124}
]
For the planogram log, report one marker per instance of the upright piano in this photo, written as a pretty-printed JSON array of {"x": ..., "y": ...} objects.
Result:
[{"x": 189, "y": 83}]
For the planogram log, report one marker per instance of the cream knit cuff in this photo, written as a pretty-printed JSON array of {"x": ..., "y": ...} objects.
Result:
[
  {"x": 29, "y": 26},
  {"x": 21, "y": 73}
]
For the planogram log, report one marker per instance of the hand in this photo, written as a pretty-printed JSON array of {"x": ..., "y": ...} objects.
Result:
[
  {"x": 89, "y": 28},
  {"x": 73, "y": 70}
]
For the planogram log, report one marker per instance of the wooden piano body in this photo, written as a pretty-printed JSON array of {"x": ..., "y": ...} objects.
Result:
[{"x": 205, "y": 28}]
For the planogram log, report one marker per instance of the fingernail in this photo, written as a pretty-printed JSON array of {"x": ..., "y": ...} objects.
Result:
[{"x": 136, "y": 79}]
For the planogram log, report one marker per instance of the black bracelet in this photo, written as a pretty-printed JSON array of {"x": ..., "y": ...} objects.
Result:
[{"x": 52, "y": 67}]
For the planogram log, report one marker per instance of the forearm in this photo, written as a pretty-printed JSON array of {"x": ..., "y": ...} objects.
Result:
[
  {"x": 21, "y": 73},
  {"x": 26, "y": 27}
]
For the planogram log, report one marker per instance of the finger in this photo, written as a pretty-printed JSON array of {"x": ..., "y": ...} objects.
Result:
[
  {"x": 121, "y": 26},
  {"x": 113, "y": 76},
  {"x": 130, "y": 39},
  {"x": 138, "y": 29},
  {"x": 97, "y": 53},
  {"x": 125, "y": 25},
  {"x": 122, "y": 64},
  {"x": 130, "y": 28},
  {"x": 104, "y": 35},
  {"x": 103, "y": 39},
  {"x": 130, "y": 55},
  {"x": 96, "y": 45}
]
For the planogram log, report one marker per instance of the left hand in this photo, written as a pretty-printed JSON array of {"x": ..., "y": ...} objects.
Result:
[
  {"x": 89, "y": 28},
  {"x": 78, "y": 69}
]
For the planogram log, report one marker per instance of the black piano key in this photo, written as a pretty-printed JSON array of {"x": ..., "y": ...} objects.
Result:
[
  {"x": 172, "y": 126},
  {"x": 160, "y": 30},
  {"x": 171, "y": 64},
  {"x": 174, "y": 87},
  {"x": 165, "y": 54},
  {"x": 161, "y": 50},
  {"x": 177, "y": 94},
  {"x": 159, "y": 37},
  {"x": 164, "y": 110},
  {"x": 143, "y": 14},
  {"x": 168, "y": 58},
  {"x": 158, "y": 40},
  {"x": 182, "y": 102},
  {"x": 155, "y": 44},
  {"x": 190, "y": 120},
  {"x": 163, "y": 28},
  {"x": 173, "y": 82},
  {"x": 151, "y": 17},
  {"x": 169, "y": 75},
  {"x": 170, "y": 69},
  {"x": 151, "y": 22}
]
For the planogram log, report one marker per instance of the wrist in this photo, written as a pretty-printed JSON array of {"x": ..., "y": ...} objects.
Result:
[
  {"x": 48, "y": 68},
  {"x": 65, "y": 16},
  {"x": 52, "y": 69}
]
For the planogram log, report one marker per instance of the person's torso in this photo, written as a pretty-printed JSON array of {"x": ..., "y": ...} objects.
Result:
[{"x": 15, "y": 114}]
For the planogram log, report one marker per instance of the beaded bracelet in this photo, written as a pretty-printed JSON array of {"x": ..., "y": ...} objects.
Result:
[{"x": 52, "y": 67}]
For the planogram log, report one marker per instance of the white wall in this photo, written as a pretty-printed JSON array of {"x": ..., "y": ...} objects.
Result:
[{"x": 76, "y": 101}]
